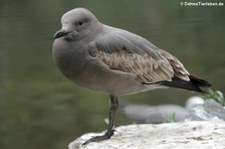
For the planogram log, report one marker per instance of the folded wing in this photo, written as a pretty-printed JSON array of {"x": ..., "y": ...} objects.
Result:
[{"x": 127, "y": 52}]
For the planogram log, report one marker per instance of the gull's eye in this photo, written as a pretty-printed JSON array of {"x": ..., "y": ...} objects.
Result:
[{"x": 80, "y": 23}]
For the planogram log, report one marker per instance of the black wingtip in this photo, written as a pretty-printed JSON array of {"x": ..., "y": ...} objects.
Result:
[
  {"x": 195, "y": 84},
  {"x": 199, "y": 82}
]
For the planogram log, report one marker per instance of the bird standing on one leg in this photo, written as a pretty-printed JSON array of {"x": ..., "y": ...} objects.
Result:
[{"x": 115, "y": 61}]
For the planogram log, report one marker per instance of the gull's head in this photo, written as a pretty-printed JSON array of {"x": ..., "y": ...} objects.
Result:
[{"x": 77, "y": 24}]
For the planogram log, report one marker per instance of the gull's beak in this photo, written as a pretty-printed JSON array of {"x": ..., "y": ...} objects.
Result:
[{"x": 60, "y": 33}]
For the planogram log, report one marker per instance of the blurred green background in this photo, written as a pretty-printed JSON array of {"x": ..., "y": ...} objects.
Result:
[{"x": 40, "y": 108}]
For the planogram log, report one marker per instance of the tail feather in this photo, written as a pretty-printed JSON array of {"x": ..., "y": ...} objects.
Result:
[{"x": 195, "y": 84}]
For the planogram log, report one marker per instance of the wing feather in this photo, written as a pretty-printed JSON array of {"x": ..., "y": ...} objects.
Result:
[
  {"x": 127, "y": 52},
  {"x": 145, "y": 67},
  {"x": 178, "y": 67}
]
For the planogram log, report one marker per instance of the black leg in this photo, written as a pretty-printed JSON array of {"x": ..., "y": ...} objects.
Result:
[{"x": 110, "y": 131}]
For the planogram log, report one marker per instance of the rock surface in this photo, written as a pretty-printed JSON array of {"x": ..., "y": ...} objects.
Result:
[{"x": 194, "y": 134}]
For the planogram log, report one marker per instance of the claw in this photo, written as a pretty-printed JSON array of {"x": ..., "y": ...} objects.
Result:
[{"x": 98, "y": 138}]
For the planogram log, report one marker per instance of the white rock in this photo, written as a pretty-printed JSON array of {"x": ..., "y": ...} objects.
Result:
[
  {"x": 210, "y": 110},
  {"x": 193, "y": 101},
  {"x": 145, "y": 114},
  {"x": 198, "y": 134}
]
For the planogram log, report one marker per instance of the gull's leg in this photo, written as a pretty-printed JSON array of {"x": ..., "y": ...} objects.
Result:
[{"x": 110, "y": 131}]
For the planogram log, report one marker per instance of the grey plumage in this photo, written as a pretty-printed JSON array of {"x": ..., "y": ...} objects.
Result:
[
  {"x": 113, "y": 60},
  {"x": 119, "y": 62}
]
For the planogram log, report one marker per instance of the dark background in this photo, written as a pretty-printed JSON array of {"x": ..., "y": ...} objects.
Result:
[{"x": 39, "y": 108}]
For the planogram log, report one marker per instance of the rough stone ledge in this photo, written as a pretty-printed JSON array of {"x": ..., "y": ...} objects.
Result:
[{"x": 194, "y": 134}]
